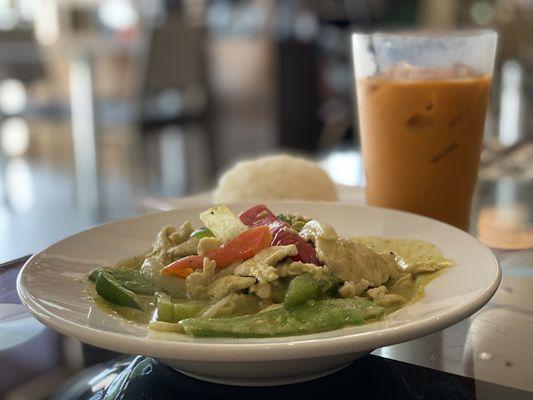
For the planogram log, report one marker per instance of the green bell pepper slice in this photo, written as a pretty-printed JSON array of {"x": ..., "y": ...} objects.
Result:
[
  {"x": 128, "y": 278},
  {"x": 108, "y": 288}
]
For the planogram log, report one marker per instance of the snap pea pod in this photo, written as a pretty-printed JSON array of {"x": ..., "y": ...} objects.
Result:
[
  {"x": 301, "y": 289},
  {"x": 110, "y": 289},
  {"x": 175, "y": 312},
  {"x": 129, "y": 278},
  {"x": 310, "y": 317},
  {"x": 307, "y": 287}
]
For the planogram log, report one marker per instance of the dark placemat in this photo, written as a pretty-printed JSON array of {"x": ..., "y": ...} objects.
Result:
[{"x": 371, "y": 377}]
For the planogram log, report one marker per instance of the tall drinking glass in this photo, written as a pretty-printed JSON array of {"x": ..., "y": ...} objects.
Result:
[{"x": 422, "y": 99}]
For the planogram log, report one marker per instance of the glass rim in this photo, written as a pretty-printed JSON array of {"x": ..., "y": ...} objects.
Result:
[{"x": 427, "y": 33}]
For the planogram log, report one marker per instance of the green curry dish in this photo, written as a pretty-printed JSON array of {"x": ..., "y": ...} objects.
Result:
[
  {"x": 216, "y": 281},
  {"x": 128, "y": 278},
  {"x": 111, "y": 290},
  {"x": 311, "y": 317}
]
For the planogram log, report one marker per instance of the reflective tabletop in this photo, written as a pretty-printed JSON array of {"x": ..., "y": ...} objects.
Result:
[{"x": 485, "y": 356}]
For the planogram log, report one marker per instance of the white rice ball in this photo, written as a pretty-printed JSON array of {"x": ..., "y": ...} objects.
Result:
[{"x": 279, "y": 177}]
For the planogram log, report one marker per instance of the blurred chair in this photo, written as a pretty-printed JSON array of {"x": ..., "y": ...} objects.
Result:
[
  {"x": 173, "y": 86},
  {"x": 172, "y": 105}
]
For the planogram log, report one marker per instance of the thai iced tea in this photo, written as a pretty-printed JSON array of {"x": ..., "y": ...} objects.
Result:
[{"x": 421, "y": 136}]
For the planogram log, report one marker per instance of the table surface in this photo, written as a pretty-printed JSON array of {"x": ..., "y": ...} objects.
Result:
[{"x": 485, "y": 356}]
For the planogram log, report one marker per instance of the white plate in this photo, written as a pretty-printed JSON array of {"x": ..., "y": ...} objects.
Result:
[{"x": 52, "y": 285}]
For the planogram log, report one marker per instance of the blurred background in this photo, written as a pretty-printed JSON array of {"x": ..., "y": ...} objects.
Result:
[
  {"x": 107, "y": 106},
  {"x": 110, "y": 107}
]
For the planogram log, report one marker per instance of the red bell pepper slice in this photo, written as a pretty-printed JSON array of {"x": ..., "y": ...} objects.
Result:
[
  {"x": 242, "y": 247},
  {"x": 282, "y": 233}
]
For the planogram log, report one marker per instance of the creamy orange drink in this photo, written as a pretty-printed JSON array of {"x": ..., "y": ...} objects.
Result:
[{"x": 421, "y": 131}]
